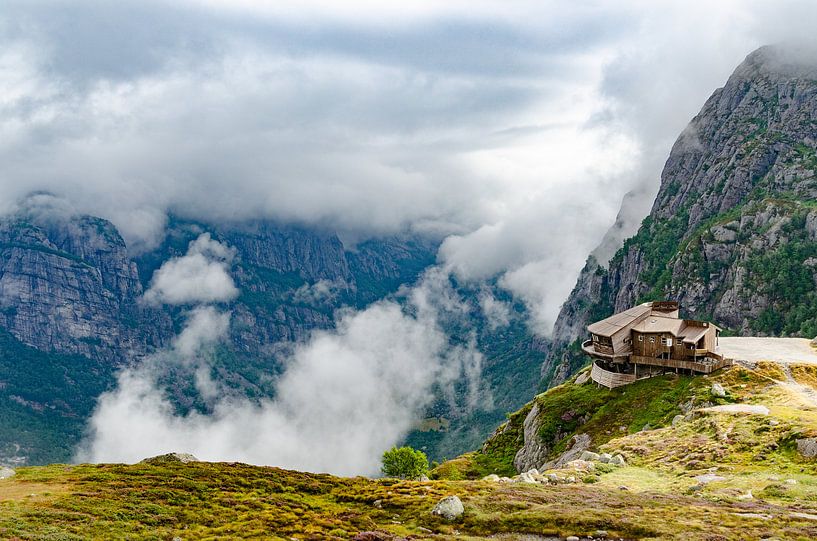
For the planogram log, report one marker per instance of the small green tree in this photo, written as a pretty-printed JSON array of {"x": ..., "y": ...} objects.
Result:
[{"x": 404, "y": 463}]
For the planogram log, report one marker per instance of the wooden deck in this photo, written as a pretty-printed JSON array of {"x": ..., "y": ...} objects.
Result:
[{"x": 704, "y": 367}]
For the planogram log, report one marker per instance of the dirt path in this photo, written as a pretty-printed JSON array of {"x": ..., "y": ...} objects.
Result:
[{"x": 780, "y": 350}]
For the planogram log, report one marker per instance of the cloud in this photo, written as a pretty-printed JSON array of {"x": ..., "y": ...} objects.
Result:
[
  {"x": 346, "y": 395},
  {"x": 320, "y": 292},
  {"x": 200, "y": 276},
  {"x": 514, "y": 128}
]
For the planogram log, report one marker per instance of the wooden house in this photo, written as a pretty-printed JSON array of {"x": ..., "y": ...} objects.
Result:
[{"x": 649, "y": 339}]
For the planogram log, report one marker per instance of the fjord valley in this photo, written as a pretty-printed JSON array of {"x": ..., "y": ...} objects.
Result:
[{"x": 408, "y": 272}]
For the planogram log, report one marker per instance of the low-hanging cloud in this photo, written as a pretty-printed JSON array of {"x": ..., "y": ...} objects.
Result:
[
  {"x": 513, "y": 128},
  {"x": 200, "y": 276},
  {"x": 346, "y": 395}
]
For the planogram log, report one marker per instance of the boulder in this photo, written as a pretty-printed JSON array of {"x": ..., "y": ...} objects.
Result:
[
  {"x": 604, "y": 458},
  {"x": 584, "y": 377},
  {"x": 572, "y": 538},
  {"x": 533, "y": 471},
  {"x": 589, "y": 455},
  {"x": 525, "y": 478},
  {"x": 552, "y": 478},
  {"x": 807, "y": 447},
  {"x": 423, "y": 478},
  {"x": 493, "y": 478},
  {"x": 618, "y": 460},
  {"x": 450, "y": 508},
  {"x": 171, "y": 458},
  {"x": 578, "y": 445},
  {"x": 717, "y": 390},
  {"x": 5, "y": 473},
  {"x": 678, "y": 419},
  {"x": 580, "y": 465},
  {"x": 791, "y": 481}
]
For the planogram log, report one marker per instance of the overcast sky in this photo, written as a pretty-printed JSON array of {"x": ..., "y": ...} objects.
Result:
[{"x": 514, "y": 127}]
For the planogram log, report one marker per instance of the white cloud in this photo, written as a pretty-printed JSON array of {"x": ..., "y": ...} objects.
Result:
[
  {"x": 516, "y": 127},
  {"x": 200, "y": 276},
  {"x": 346, "y": 396}
]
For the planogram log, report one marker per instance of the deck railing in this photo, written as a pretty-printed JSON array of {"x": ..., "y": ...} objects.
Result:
[
  {"x": 705, "y": 367},
  {"x": 610, "y": 379}
]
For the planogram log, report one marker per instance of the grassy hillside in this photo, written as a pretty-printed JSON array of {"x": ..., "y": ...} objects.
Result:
[{"x": 764, "y": 488}]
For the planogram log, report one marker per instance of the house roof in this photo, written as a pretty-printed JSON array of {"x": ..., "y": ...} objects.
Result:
[
  {"x": 655, "y": 323},
  {"x": 693, "y": 334},
  {"x": 616, "y": 322}
]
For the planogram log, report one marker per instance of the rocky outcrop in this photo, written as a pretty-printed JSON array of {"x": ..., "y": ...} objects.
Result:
[
  {"x": 69, "y": 286},
  {"x": 732, "y": 233},
  {"x": 171, "y": 458},
  {"x": 534, "y": 451}
]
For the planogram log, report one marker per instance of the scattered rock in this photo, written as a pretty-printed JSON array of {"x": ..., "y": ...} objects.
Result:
[
  {"x": 717, "y": 390},
  {"x": 533, "y": 472},
  {"x": 807, "y": 447},
  {"x": 171, "y": 458},
  {"x": 773, "y": 422},
  {"x": 423, "y": 478},
  {"x": 791, "y": 481},
  {"x": 493, "y": 478},
  {"x": 450, "y": 508},
  {"x": 572, "y": 538},
  {"x": 646, "y": 427},
  {"x": 678, "y": 419},
  {"x": 505, "y": 480},
  {"x": 578, "y": 445},
  {"x": 807, "y": 516},
  {"x": 378, "y": 504},
  {"x": 589, "y": 455},
  {"x": 177, "y": 538},
  {"x": 580, "y": 465},
  {"x": 623, "y": 487},
  {"x": 5, "y": 473},
  {"x": 604, "y": 458},
  {"x": 583, "y": 378},
  {"x": 552, "y": 478},
  {"x": 601, "y": 534},
  {"x": 525, "y": 478},
  {"x": 618, "y": 460},
  {"x": 747, "y": 496}
]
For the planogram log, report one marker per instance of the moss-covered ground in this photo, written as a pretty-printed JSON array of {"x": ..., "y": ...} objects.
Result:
[
  {"x": 236, "y": 501},
  {"x": 659, "y": 494}
]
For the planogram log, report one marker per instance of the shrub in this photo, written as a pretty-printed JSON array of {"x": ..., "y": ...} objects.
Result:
[{"x": 404, "y": 463}]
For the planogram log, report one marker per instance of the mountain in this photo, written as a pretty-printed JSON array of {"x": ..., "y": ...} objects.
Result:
[
  {"x": 71, "y": 315},
  {"x": 732, "y": 233}
]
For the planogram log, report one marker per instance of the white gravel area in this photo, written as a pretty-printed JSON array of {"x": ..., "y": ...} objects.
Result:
[{"x": 782, "y": 350}]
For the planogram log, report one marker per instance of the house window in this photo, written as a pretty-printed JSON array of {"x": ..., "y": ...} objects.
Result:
[
  {"x": 652, "y": 339},
  {"x": 640, "y": 338},
  {"x": 669, "y": 342}
]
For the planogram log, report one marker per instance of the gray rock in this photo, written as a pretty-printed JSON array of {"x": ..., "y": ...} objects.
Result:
[
  {"x": 572, "y": 538},
  {"x": 618, "y": 460},
  {"x": 604, "y": 458},
  {"x": 423, "y": 478},
  {"x": 525, "y": 478},
  {"x": 807, "y": 447},
  {"x": 678, "y": 419},
  {"x": 450, "y": 508},
  {"x": 533, "y": 451},
  {"x": 601, "y": 534},
  {"x": 578, "y": 445},
  {"x": 5, "y": 472},
  {"x": 493, "y": 478},
  {"x": 589, "y": 455},
  {"x": 717, "y": 390},
  {"x": 709, "y": 478},
  {"x": 584, "y": 377},
  {"x": 791, "y": 481},
  {"x": 171, "y": 458}
]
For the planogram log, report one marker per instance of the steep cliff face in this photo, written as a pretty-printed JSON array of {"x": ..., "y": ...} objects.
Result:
[
  {"x": 70, "y": 287},
  {"x": 732, "y": 233}
]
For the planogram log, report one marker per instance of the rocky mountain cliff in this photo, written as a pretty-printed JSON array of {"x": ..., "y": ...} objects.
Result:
[
  {"x": 732, "y": 234},
  {"x": 71, "y": 314}
]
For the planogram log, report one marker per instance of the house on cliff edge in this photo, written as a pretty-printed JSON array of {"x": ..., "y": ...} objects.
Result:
[{"x": 650, "y": 339}]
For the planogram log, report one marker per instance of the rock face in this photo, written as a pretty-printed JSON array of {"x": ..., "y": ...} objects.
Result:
[
  {"x": 732, "y": 234},
  {"x": 70, "y": 286},
  {"x": 450, "y": 508},
  {"x": 534, "y": 452}
]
